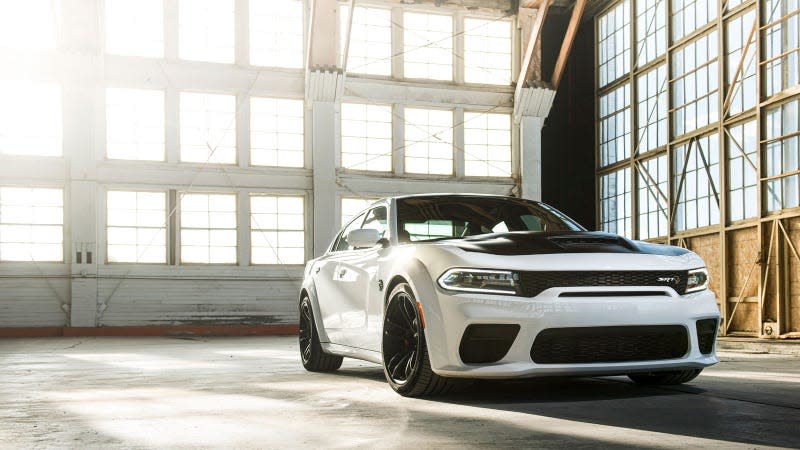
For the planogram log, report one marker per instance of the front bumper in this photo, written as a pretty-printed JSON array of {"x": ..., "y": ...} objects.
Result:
[{"x": 548, "y": 310}]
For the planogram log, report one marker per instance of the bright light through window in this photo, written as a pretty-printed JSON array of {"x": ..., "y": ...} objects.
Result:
[
  {"x": 367, "y": 137},
  {"x": 370, "y": 49},
  {"x": 487, "y": 144},
  {"x": 30, "y": 118},
  {"x": 135, "y": 27},
  {"x": 137, "y": 227},
  {"x": 31, "y": 224},
  {"x": 277, "y": 229},
  {"x": 429, "y": 141},
  {"x": 135, "y": 124},
  {"x": 354, "y": 205},
  {"x": 428, "y": 46},
  {"x": 208, "y": 128},
  {"x": 29, "y": 24},
  {"x": 206, "y": 30},
  {"x": 208, "y": 228},
  {"x": 276, "y": 33},
  {"x": 487, "y": 51},
  {"x": 276, "y": 132}
]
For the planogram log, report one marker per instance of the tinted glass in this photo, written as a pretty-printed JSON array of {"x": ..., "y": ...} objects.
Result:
[{"x": 428, "y": 218}]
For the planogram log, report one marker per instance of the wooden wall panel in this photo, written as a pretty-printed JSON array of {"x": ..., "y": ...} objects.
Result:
[
  {"x": 793, "y": 278},
  {"x": 33, "y": 302},
  {"x": 708, "y": 248},
  {"x": 743, "y": 250}
]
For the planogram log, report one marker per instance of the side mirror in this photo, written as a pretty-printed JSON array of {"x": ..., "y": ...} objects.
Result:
[{"x": 363, "y": 238}]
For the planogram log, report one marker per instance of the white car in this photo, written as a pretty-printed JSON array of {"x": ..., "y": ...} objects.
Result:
[{"x": 447, "y": 286}]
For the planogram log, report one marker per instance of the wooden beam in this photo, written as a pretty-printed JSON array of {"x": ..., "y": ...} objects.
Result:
[
  {"x": 569, "y": 39},
  {"x": 526, "y": 68}
]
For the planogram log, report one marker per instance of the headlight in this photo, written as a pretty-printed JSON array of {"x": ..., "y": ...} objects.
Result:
[
  {"x": 480, "y": 280},
  {"x": 697, "y": 281}
]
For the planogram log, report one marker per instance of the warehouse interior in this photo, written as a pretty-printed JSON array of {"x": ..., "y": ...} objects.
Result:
[{"x": 167, "y": 167}]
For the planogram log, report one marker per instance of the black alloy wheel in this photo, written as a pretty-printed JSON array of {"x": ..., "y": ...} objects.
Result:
[{"x": 312, "y": 356}]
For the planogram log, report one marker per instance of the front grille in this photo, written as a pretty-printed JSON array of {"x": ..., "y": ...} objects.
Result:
[
  {"x": 609, "y": 344},
  {"x": 534, "y": 283},
  {"x": 706, "y": 332},
  {"x": 487, "y": 343}
]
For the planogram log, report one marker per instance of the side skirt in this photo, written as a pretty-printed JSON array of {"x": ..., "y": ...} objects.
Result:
[{"x": 353, "y": 352}]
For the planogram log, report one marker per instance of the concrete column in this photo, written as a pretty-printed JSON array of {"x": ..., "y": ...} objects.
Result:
[
  {"x": 323, "y": 148},
  {"x": 530, "y": 161}
]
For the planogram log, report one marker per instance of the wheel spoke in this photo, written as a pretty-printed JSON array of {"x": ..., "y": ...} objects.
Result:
[
  {"x": 395, "y": 329},
  {"x": 307, "y": 352},
  {"x": 409, "y": 316},
  {"x": 410, "y": 364},
  {"x": 401, "y": 363}
]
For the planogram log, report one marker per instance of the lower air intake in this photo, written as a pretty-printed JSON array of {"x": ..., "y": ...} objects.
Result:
[
  {"x": 487, "y": 343},
  {"x": 609, "y": 344},
  {"x": 706, "y": 334}
]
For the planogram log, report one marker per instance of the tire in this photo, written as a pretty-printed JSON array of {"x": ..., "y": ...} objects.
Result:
[
  {"x": 312, "y": 356},
  {"x": 665, "y": 378},
  {"x": 405, "y": 353}
]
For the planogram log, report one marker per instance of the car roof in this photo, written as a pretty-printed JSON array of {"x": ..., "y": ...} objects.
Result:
[{"x": 447, "y": 194}]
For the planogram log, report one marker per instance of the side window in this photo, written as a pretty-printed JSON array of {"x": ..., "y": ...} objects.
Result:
[
  {"x": 376, "y": 219},
  {"x": 341, "y": 242},
  {"x": 533, "y": 223}
]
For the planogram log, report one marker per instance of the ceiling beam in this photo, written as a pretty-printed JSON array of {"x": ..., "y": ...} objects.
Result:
[
  {"x": 527, "y": 67},
  {"x": 566, "y": 44}
]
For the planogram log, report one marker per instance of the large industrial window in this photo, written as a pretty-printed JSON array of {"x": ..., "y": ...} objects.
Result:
[
  {"x": 135, "y": 124},
  {"x": 30, "y": 118},
  {"x": 615, "y": 125},
  {"x": 744, "y": 88},
  {"x": 487, "y": 51},
  {"x": 429, "y": 141},
  {"x": 653, "y": 201},
  {"x": 781, "y": 154},
  {"x": 616, "y": 203},
  {"x": 695, "y": 84},
  {"x": 487, "y": 144},
  {"x": 208, "y": 228},
  {"x": 651, "y": 113},
  {"x": 366, "y": 137},
  {"x": 31, "y": 224},
  {"x": 276, "y": 33},
  {"x": 428, "y": 46},
  {"x": 30, "y": 24},
  {"x": 781, "y": 45},
  {"x": 137, "y": 227},
  {"x": 742, "y": 145},
  {"x": 208, "y": 128},
  {"x": 691, "y": 15},
  {"x": 370, "y": 50},
  {"x": 354, "y": 205},
  {"x": 614, "y": 43},
  {"x": 696, "y": 183},
  {"x": 651, "y": 30},
  {"x": 277, "y": 225},
  {"x": 276, "y": 132},
  {"x": 135, "y": 28},
  {"x": 206, "y": 30}
]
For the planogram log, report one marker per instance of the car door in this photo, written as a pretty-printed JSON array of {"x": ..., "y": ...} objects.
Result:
[{"x": 344, "y": 278}]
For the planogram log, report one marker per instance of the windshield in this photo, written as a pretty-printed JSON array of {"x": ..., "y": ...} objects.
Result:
[{"x": 446, "y": 217}]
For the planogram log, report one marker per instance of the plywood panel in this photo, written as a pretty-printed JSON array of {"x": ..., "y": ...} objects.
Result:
[
  {"x": 707, "y": 247},
  {"x": 743, "y": 250},
  {"x": 793, "y": 279}
]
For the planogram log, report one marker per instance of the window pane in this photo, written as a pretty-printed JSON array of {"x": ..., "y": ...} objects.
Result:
[
  {"x": 366, "y": 137},
  {"x": 276, "y": 33},
  {"x": 277, "y": 226},
  {"x": 615, "y": 203},
  {"x": 745, "y": 87},
  {"x": 696, "y": 192},
  {"x": 370, "y": 49},
  {"x": 651, "y": 31},
  {"x": 487, "y": 51},
  {"x": 614, "y": 44},
  {"x": 354, "y": 205},
  {"x": 742, "y": 142},
  {"x": 276, "y": 132},
  {"x": 31, "y": 224},
  {"x": 428, "y": 46},
  {"x": 30, "y": 24},
  {"x": 615, "y": 125},
  {"x": 206, "y": 30},
  {"x": 653, "y": 204},
  {"x": 30, "y": 118},
  {"x": 487, "y": 144},
  {"x": 208, "y": 128},
  {"x": 135, "y": 27},
  {"x": 782, "y": 155},
  {"x": 781, "y": 43},
  {"x": 695, "y": 85},
  {"x": 208, "y": 228},
  {"x": 429, "y": 141},
  {"x": 651, "y": 127},
  {"x": 135, "y": 124},
  {"x": 137, "y": 227},
  {"x": 691, "y": 15}
]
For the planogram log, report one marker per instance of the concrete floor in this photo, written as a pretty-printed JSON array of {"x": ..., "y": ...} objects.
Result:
[{"x": 252, "y": 392}]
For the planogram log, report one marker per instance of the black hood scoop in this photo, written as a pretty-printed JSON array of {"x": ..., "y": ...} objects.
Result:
[{"x": 540, "y": 243}]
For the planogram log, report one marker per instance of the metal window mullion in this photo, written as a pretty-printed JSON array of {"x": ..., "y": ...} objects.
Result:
[
  {"x": 722, "y": 198},
  {"x": 633, "y": 97}
]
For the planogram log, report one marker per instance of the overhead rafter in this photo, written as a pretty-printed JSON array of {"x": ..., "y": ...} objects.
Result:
[
  {"x": 527, "y": 67},
  {"x": 569, "y": 39}
]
